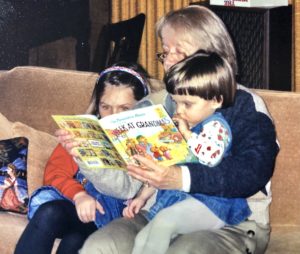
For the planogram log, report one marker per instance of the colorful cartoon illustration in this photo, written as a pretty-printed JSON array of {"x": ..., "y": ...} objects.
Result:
[
  {"x": 11, "y": 199},
  {"x": 157, "y": 154},
  {"x": 131, "y": 147},
  {"x": 143, "y": 142},
  {"x": 169, "y": 134},
  {"x": 166, "y": 152}
]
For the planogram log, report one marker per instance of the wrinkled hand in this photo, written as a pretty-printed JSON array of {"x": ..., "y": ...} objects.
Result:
[
  {"x": 156, "y": 175},
  {"x": 86, "y": 207},
  {"x": 133, "y": 207},
  {"x": 66, "y": 139}
]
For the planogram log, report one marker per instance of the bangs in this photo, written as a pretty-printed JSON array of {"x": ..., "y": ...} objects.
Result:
[{"x": 201, "y": 86}]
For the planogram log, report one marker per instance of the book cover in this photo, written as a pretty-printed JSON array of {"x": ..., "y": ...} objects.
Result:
[
  {"x": 111, "y": 141},
  {"x": 250, "y": 3}
]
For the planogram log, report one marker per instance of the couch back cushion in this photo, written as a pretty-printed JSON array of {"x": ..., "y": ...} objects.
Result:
[
  {"x": 32, "y": 94},
  {"x": 285, "y": 110}
]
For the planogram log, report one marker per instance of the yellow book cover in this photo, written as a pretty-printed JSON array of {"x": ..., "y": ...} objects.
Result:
[{"x": 111, "y": 141}]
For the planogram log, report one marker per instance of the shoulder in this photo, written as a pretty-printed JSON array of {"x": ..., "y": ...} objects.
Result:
[
  {"x": 158, "y": 97},
  {"x": 259, "y": 103},
  {"x": 247, "y": 105}
]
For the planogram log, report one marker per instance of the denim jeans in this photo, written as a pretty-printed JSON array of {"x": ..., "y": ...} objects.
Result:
[{"x": 113, "y": 207}]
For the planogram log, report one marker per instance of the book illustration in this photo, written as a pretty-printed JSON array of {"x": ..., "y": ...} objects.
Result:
[
  {"x": 95, "y": 150},
  {"x": 112, "y": 141}
]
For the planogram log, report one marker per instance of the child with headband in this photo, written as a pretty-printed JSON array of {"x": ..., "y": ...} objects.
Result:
[
  {"x": 69, "y": 206},
  {"x": 200, "y": 85}
]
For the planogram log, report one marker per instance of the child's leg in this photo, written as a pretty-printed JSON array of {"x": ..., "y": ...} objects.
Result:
[{"x": 184, "y": 217}]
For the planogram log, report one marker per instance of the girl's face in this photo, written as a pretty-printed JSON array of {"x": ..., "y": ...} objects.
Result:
[
  {"x": 116, "y": 99},
  {"x": 194, "y": 109},
  {"x": 176, "y": 45}
]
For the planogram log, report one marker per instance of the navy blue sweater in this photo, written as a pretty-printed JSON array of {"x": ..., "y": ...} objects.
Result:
[{"x": 250, "y": 164}]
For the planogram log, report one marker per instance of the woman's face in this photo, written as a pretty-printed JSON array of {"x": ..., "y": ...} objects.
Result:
[
  {"x": 116, "y": 99},
  {"x": 176, "y": 45}
]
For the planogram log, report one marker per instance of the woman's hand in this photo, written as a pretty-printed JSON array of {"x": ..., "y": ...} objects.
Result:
[
  {"x": 86, "y": 207},
  {"x": 66, "y": 139},
  {"x": 158, "y": 176}
]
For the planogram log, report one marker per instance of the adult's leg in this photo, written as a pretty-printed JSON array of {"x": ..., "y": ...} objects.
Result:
[
  {"x": 118, "y": 237},
  {"x": 55, "y": 219},
  {"x": 247, "y": 237},
  {"x": 115, "y": 238},
  {"x": 184, "y": 217}
]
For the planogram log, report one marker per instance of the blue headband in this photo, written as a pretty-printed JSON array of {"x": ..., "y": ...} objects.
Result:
[{"x": 127, "y": 70}]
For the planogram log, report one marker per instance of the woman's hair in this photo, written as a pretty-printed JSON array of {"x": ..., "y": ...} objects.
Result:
[
  {"x": 206, "y": 75},
  {"x": 204, "y": 27},
  {"x": 121, "y": 74}
]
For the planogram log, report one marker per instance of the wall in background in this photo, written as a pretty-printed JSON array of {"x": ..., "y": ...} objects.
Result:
[{"x": 61, "y": 53}]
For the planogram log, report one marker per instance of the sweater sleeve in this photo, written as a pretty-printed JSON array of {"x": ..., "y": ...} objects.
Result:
[
  {"x": 115, "y": 183},
  {"x": 60, "y": 171},
  {"x": 250, "y": 163}
]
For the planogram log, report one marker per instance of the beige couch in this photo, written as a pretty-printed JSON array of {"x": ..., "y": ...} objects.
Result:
[{"x": 29, "y": 95}]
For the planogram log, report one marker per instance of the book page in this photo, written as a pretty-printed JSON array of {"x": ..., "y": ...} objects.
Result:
[
  {"x": 149, "y": 132},
  {"x": 95, "y": 150}
]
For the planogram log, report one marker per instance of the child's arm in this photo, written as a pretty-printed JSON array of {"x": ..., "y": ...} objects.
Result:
[
  {"x": 211, "y": 144},
  {"x": 138, "y": 202}
]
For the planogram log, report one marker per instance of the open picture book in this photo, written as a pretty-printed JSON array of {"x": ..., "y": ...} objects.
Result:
[{"x": 111, "y": 141}]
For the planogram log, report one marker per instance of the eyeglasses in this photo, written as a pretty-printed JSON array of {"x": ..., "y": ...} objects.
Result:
[{"x": 161, "y": 56}]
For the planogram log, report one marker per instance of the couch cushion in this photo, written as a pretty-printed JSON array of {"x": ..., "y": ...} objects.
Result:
[
  {"x": 41, "y": 145},
  {"x": 284, "y": 239},
  {"x": 5, "y": 127},
  {"x": 12, "y": 225},
  {"x": 42, "y": 92},
  {"x": 284, "y": 108}
]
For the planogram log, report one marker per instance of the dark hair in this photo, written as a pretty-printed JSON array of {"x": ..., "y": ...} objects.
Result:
[
  {"x": 202, "y": 74},
  {"x": 139, "y": 84}
]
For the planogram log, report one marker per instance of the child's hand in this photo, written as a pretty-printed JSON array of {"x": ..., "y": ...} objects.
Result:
[
  {"x": 133, "y": 207},
  {"x": 66, "y": 139},
  {"x": 86, "y": 207},
  {"x": 183, "y": 126}
]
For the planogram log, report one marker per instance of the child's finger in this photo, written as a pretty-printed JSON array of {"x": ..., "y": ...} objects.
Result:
[{"x": 100, "y": 208}]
